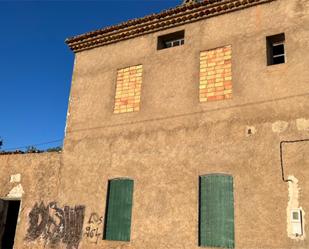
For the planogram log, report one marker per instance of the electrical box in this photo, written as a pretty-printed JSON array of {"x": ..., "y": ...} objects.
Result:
[{"x": 296, "y": 221}]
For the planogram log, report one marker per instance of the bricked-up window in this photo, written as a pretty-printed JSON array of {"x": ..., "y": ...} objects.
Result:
[
  {"x": 216, "y": 211},
  {"x": 117, "y": 224},
  {"x": 171, "y": 40},
  {"x": 216, "y": 74},
  {"x": 275, "y": 49},
  {"x": 128, "y": 89}
]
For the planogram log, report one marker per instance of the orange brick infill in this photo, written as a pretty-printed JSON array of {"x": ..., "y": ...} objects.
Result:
[
  {"x": 216, "y": 74},
  {"x": 128, "y": 89}
]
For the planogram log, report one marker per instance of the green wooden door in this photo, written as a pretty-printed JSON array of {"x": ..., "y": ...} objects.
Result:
[
  {"x": 216, "y": 211},
  {"x": 119, "y": 210}
]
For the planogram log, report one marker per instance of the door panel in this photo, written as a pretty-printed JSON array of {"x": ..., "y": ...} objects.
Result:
[{"x": 3, "y": 213}]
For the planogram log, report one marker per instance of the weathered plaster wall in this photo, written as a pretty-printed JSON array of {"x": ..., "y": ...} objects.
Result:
[
  {"x": 174, "y": 138},
  {"x": 171, "y": 76},
  {"x": 38, "y": 177},
  {"x": 165, "y": 165}
]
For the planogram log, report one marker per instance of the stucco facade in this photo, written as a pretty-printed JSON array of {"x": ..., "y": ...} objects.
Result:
[{"x": 174, "y": 138}]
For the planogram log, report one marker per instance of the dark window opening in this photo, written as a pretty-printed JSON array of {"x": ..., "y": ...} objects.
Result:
[
  {"x": 275, "y": 49},
  {"x": 8, "y": 220},
  {"x": 171, "y": 40}
]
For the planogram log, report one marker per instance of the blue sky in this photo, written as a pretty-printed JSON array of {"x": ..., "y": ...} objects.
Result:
[{"x": 36, "y": 65}]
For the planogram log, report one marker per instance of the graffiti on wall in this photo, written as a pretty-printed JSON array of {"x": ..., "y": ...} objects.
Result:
[
  {"x": 55, "y": 225},
  {"x": 93, "y": 230}
]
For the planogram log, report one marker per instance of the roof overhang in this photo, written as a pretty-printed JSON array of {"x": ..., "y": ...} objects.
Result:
[{"x": 180, "y": 15}]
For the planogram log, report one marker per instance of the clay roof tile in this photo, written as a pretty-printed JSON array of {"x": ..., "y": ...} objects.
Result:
[{"x": 152, "y": 23}]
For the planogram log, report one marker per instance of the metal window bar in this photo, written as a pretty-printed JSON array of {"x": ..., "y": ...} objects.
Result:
[
  {"x": 275, "y": 44},
  {"x": 279, "y": 55},
  {"x": 278, "y": 52},
  {"x": 278, "y": 43},
  {"x": 174, "y": 43}
]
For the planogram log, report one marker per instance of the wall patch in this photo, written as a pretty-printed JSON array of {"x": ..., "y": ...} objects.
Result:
[
  {"x": 293, "y": 204},
  {"x": 16, "y": 192},
  {"x": 302, "y": 124},
  {"x": 279, "y": 126}
]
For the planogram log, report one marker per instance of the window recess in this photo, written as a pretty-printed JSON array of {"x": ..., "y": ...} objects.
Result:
[
  {"x": 171, "y": 40},
  {"x": 276, "y": 49}
]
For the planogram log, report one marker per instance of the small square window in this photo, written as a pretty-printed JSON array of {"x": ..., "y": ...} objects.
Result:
[
  {"x": 275, "y": 49},
  {"x": 171, "y": 40}
]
